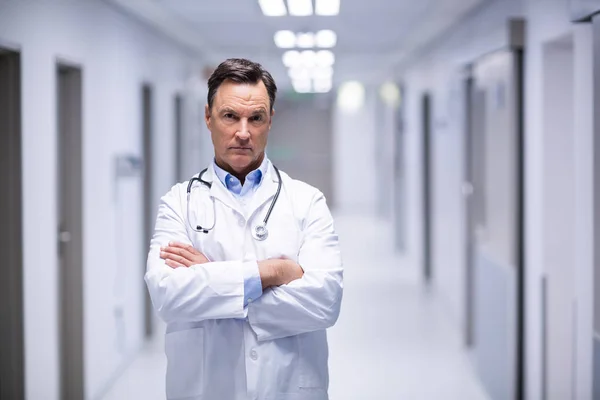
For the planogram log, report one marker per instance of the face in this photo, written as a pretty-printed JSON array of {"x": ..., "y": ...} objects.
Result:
[{"x": 239, "y": 122}]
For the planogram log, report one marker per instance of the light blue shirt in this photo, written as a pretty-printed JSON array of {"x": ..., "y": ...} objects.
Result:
[{"x": 252, "y": 281}]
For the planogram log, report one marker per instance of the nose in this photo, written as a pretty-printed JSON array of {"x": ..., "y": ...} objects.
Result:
[{"x": 243, "y": 132}]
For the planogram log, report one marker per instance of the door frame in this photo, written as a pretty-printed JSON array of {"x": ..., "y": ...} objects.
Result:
[
  {"x": 12, "y": 352},
  {"x": 427, "y": 168},
  {"x": 69, "y": 89}
]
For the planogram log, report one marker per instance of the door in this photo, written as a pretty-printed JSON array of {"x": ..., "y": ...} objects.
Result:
[
  {"x": 473, "y": 184},
  {"x": 179, "y": 139},
  {"x": 70, "y": 230},
  {"x": 497, "y": 247},
  {"x": 399, "y": 176},
  {"x": 12, "y": 374},
  {"x": 149, "y": 212},
  {"x": 427, "y": 187}
]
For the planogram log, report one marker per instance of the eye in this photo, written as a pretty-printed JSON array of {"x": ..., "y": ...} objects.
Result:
[
  {"x": 257, "y": 118},
  {"x": 228, "y": 116}
]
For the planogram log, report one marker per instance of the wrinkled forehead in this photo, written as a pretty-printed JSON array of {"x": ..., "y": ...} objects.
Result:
[{"x": 248, "y": 97}]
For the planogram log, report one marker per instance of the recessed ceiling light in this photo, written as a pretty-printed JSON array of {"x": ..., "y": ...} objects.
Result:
[
  {"x": 390, "y": 94},
  {"x": 326, "y": 38},
  {"x": 322, "y": 72},
  {"x": 300, "y": 8},
  {"x": 305, "y": 40},
  {"x": 324, "y": 58},
  {"x": 272, "y": 8},
  {"x": 327, "y": 7},
  {"x": 351, "y": 96},
  {"x": 291, "y": 58},
  {"x": 308, "y": 58},
  {"x": 323, "y": 85},
  {"x": 285, "y": 39},
  {"x": 302, "y": 85}
]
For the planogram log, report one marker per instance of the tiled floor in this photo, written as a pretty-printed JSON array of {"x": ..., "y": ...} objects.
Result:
[{"x": 392, "y": 341}]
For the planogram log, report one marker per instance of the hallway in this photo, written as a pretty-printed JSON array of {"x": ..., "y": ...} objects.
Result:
[{"x": 392, "y": 341}]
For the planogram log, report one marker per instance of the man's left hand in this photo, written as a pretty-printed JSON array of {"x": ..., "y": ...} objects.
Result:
[{"x": 181, "y": 255}]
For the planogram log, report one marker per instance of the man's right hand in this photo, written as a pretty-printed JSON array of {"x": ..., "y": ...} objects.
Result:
[{"x": 277, "y": 272}]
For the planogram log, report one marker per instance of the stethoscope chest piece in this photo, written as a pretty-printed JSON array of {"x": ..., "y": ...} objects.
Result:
[{"x": 260, "y": 232}]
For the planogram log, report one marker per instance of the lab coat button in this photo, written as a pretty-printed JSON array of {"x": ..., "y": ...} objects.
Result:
[{"x": 254, "y": 355}]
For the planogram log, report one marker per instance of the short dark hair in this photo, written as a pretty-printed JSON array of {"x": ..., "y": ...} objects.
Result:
[{"x": 240, "y": 70}]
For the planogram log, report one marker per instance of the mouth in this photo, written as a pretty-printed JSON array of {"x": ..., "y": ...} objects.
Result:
[{"x": 240, "y": 148}]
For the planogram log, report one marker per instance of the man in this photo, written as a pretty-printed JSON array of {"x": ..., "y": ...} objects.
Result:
[{"x": 245, "y": 267}]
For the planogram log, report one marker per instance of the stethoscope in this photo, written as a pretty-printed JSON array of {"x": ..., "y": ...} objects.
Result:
[{"x": 260, "y": 231}]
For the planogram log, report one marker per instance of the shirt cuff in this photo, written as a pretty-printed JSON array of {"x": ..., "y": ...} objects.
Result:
[{"x": 252, "y": 282}]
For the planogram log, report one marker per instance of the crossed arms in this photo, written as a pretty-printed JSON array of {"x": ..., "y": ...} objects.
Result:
[{"x": 185, "y": 286}]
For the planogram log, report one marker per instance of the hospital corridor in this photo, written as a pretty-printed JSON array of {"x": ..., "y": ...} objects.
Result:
[{"x": 300, "y": 200}]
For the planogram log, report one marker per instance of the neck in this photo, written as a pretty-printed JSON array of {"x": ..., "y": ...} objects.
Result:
[{"x": 241, "y": 175}]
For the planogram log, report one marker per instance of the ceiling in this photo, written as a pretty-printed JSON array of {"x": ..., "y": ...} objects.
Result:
[{"x": 374, "y": 36}]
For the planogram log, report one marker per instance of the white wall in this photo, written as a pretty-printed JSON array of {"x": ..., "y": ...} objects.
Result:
[
  {"x": 354, "y": 135},
  {"x": 117, "y": 54},
  {"x": 440, "y": 72},
  {"x": 437, "y": 71}
]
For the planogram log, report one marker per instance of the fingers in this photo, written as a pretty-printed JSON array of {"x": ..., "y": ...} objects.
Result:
[
  {"x": 167, "y": 255},
  {"x": 185, "y": 247},
  {"x": 173, "y": 264}
]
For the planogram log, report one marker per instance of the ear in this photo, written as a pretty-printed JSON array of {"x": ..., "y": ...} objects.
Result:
[
  {"x": 207, "y": 116},
  {"x": 271, "y": 120}
]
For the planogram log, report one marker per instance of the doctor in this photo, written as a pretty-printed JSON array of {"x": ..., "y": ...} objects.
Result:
[{"x": 244, "y": 265}]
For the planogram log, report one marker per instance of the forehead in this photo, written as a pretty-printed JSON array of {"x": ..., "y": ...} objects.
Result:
[{"x": 244, "y": 95}]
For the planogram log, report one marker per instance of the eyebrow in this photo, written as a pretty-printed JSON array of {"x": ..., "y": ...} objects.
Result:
[{"x": 260, "y": 110}]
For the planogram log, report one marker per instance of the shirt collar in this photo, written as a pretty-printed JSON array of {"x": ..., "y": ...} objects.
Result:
[{"x": 254, "y": 176}]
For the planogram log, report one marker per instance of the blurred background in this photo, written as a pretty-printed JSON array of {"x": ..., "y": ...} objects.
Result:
[{"x": 454, "y": 140}]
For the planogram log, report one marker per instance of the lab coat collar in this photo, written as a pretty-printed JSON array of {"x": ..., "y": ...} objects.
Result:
[{"x": 265, "y": 191}]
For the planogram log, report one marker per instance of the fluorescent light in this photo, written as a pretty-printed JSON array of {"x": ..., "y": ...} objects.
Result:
[
  {"x": 302, "y": 85},
  {"x": 322, "y": 72},
  {"x": 299, "y": 73},
  {"x": 272, "y": 8},
  {"x": 285, "y": 39},
  {"x": 326, "y": 38},
  {"x": 327, "y": 7},
  {"x": 324, "y": 58},
  {"x": 351, "y": 96},
  {"x": 308, "y": 58},
  {"x": 323, "y": 85},
  {"x": 305, "y": 40},
  {"x": 300, "y": 8},
  {"x": 291, "y": 58}
]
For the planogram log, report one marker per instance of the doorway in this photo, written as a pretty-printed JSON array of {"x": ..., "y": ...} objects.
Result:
[
  {"x": 427, "y": 169},
  {"x": 497, "y": 248},
  {"x": 70, "y": 230},
  {"x": 12, "y": 374}
]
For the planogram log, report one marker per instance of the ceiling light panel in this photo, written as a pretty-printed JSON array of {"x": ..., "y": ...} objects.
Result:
[
  {"x": 305, "y": 40},
  {"x": 272, "y": 8},
  {"x": 302, "y": 85},
  {"x": 300, "y": 8},
  {"x": 326, "y": 39},
  {"x": 285, "y": 39},
  {"x": 324, "y": 58},
  {"x": 291, "y": 58},
  {"x": 327, "y": 7}
]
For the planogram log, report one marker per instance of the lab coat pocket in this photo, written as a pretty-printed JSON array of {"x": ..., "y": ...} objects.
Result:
[
  {"x": 185, "y": 363},
  {"x": 313, "y": 361}
]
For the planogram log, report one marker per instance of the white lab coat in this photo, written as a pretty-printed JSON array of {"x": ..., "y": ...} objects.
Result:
[{"x": 276, "y": 347}]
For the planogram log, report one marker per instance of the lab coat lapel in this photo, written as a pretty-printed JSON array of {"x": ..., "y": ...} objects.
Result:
[
  {"x": 264, "y": 192},
  {"x": 219, "y": 191}
]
